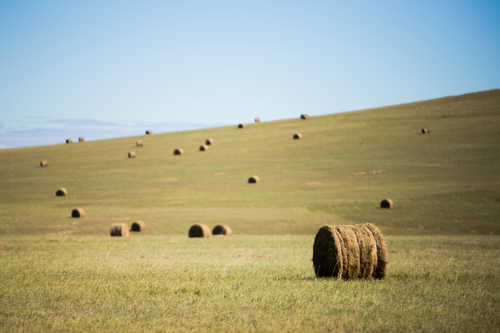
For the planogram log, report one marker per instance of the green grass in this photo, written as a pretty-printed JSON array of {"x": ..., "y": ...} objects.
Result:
[{"x": 443, "y": 232}]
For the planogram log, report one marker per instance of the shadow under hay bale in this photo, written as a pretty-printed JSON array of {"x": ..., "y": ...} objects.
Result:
[
  {"x": 209, "y": 141},
  {"x": 44, "y": 164},
  {"x": 138, "y": 143},
  {"x": 297, "y": 136},
  {"x": 199, "y": 231},
  {"x": 62, "y": 192},
  {"x": 78, "y": 212},
  {"x": 119, "y": 230},
  {"x": 253, "y": 180},
  {"x": 69, "y": 141},
  {"x": 178, "y": 151},
  {"x": 138, "y": 226},
  {"x": 131, "y": 154},
  {"x": 203, "y": 148},
  {"x": 223, "y": 230},
  {"x": 425, "y": 130},
  {"x": 80, "y": 139},
  {"x": 349, "y": 252},
  {"x": 304, "y": 116},
  {"x": 148, "y": 132},
  {"x": 386, "y": 203},
  {"x": 241, "y": 126},
  {"x": 257, "y": 120}
]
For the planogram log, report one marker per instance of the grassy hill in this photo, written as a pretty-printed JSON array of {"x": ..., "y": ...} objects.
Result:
[{"x": 444, "y": 182}]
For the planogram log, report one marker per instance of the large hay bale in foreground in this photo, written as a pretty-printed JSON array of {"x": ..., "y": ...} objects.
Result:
[
  {"x": 199, "y": 231},
  {"x": 203, "y": 147},
  {"x": 44, "y": 164},
  {"x": 386, "y": 203},
  {"x": 209, "y": 141},
  {"x": 119, "y": 230},
  {"x": 78, "y": 212},
  {"x": 138, "y": 143},
  {"x": 253, "y": 180},
  {"x": 178, "y": 151},
  {"x": 80, "y": 139},
  {"x": 148, "y": 132},
  {"x": 241, "y": 126},
  {"x": 131, "y": 154},
  {"x": 223, "y": 230},
  {"x": 69, "y": 141},
  {"x": 297, "y": 136},
  {"x": 425, "y": 130},
  {"x": 304, "y": 116},
  {"x": 138, "y": 226},
  {"x": 349, "y": 252},
  {"x": 62, "y": 192}
]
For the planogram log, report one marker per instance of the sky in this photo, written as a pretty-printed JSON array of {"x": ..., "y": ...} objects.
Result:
[{"x": 108, "y": 69}]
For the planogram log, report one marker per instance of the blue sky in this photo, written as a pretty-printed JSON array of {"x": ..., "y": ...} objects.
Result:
[{"x": 104, "y": 69}]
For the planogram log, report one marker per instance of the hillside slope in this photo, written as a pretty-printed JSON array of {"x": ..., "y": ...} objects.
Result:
[{"x": 444, "y": 182}]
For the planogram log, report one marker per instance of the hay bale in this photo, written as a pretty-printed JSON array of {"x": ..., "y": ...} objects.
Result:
[
  {"x": 386, "y": 203},
  {"x": 209, "y": 141},
  {"x": 367, "y": 250},
  {"x": 131, "y": 154},
  {"x": 304, "y": 116},
  {"x": 44, "y": 164},
  {"x": 69, "y": 141},
  {"x": 78, "y": 212},
  {"x": 138, "y": 143},
  {"x": 199, "y": 231},
  {"x": 297, "y": 136},
  {"x": 138, "y": 226},
  {"x": 119, "y": 230},
  {"x": 327, "y": 253},
  {"x": 241, "y": 126},
  {"x": 223, "y": 230},
  {"x": 80, "y": 139},
  {"x": 203, "y": 147},
  {"x": 253, "y": 180},
  {"x": 257, "y": 120},
  {"x": 425, "y": 130},
  {"x": 380, "y": 269},
  {"x": 178, "y": 151},
  {"x": 62, "y": 192},
  {"x": 351, "y": 264},
  {"x": 148, "y": 132}
]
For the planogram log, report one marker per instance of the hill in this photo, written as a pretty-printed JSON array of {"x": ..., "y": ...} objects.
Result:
[{"x": 444, "y": 182}]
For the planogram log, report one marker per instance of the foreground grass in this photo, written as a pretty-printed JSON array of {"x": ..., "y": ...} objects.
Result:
[{"x": 242, "y": 283}]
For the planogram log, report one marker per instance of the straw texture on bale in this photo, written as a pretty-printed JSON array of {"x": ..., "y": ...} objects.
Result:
[
  {"x": 350, "y": 252},
  {"x": 131, "y": 154},
  {"x": 69, "y": 141},
  {"x": 297, "y": 136},
  {"x": 257, "y": 120},
  {"x": 149, "y": 132},
  {"x": 253, "y": 180},
  {"x": 80, "y": 139},
  {"x": 304, "y": 116},
  {"x": 386, "y": 203},
  {"x": 222, "y": 230},
  {"x": 44, "y": 164},
  {"x": 78, "y": 212},
  {"x": 241, "y": 125},
  {"x": 138, "y": 143},
  {"x": 199, "y": 231},
  {"x": 209, "y": 141},
  {"x": 138, "y": 226},
  {"x": 203, "y": 147},
  {"x": 425, "y": 130},
  {"x": 178, "y": 151},
  {"x": 119, "y": 230},
  {"x": 62, "y": 192}
]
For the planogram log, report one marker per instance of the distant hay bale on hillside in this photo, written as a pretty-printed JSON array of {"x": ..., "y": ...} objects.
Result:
[
  {"x": 203, "y": 147},
  {"x": 223, "y": 230},
  {"x": 119, "y": 230},
  {"x": 69, "y": 141},
  {"x": 304, "y": 116},
  {"x": 44, "y": 163},
  {"x": 178, "y": 151},
  {"x": 209, "y": 141},
  {"x": 80, "y": 139},
  {"x": 425, "y": 130},
  {"x": 241, "y": 125},
  {"x": 78, "y": 212},
  {"x": 349, "y": 252},
  {"x": 386, "y": 203},
  {"x": 148, "y": 132},
  {"x": 62, "y": 192},
  {"x": 253, "y": 180},
  {"x": 199, "y": 231},
  {"x": 297, "y": 136},
  {"x": 138, "y": 226},
  {"x": 131, "y": 154},
  {"x": 257, "y": 120},
  {"x": 138, "y": 143}
]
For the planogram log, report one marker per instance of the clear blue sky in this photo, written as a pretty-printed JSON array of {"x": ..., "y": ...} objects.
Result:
[{"x": 103, "y": 69}]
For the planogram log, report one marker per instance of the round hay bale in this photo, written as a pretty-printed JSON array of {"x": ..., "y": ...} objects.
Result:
[
  {"x": 69, "y": 141},
  {"x": 257, "y": 120},
  {"x": 131, "y": 154},
  {"x": 350, "y": 248},
  {"x": 203, "y": 147},
  {"x": 44, "y": 164},
  {"x": 327, "y": 253},
  {"x": 138, "y": 143},
  {"x": 223, "y": 230},
  {"x": 138, "y": 226},
  {"x": 304, "y": 116},
  {"x": 119, "y": 230},
  {"x": 297, "y": 136},
  {"x": 253, "y": 180},
  {"x": 62, "y": 192},
  {"x": 386, "y": 203},
  {"x": 380, "y": 269},
  {"x": 425, "y": 130},
  {"x": 148, "y": 132},
  {"x": 80, "y": 139},
  {"x": 78, "y": 212},
  {"x": 367, "y": 250},
  {"x": 178, "y": 151},
  {"x": 209, "y": 141},
  {"x": 241, "y": 126},
  {"x": 199, "y": 231}
]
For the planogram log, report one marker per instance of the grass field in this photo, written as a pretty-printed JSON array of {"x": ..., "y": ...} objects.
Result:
[{"x": 64, "y": 274}]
